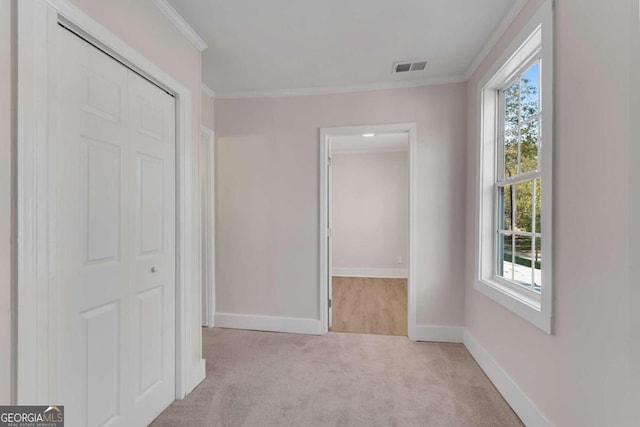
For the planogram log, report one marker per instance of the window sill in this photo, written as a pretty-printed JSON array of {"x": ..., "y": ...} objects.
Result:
[{"x": 516, "y": 301}]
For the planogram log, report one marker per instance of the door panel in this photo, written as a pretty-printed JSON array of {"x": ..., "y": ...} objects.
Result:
[
  {"x": 103, "y": 200},
  {"x": 90, "y": 256},
  {"x": 152, "y": 286},
  {"x": 150, "y": 192},
  {"x": 103, "y": 357},
  {"x": 114, "y": 251},
  {"x": 149, "y": 311}
]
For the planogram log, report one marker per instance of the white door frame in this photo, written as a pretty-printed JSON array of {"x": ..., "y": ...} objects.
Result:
[
  {"x": 37, "y": 380},
  {"x": 209, "y": 226},
  {"x": 325, "y": 136}
]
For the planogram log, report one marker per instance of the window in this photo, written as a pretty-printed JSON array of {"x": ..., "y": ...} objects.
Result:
[
  {"x": 519, "y": 180},
  {"x": 514, "y": 203}
]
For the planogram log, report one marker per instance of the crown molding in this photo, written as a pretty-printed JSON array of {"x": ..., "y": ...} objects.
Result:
[
  {"x": 207, "y": 90},
  {"x": 340, "y": 89},
  {"x": 179, "y": 22},
  {"x": 505, "y": 23}
]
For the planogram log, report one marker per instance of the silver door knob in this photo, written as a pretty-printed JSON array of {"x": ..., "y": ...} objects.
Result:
[{"x": 154, "y": 269}]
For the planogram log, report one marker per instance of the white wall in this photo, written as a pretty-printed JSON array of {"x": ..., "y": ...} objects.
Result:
[
  {"x": 7, "y": 182},
  {"x": 268, "y": 197},
  {"x": 370, "y": 210},
  {"x": 579, "y": 376}
]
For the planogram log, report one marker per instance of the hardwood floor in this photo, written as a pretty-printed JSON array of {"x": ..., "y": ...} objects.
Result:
[{"x": 370, "y": 306}]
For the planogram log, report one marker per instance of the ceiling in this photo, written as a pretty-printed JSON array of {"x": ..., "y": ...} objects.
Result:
[
  {"x": 380, "y": 143},
  {"x": 279, "y": 46}
]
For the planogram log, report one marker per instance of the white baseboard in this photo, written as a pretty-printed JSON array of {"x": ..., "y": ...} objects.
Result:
[
  {"x": 519, "y": 402},
  {"x": 437, "y": 333},
  {"x": 268, "y": 323},
  {"x": 376, "y": 273},
  {"x": 198, "y": 374}
]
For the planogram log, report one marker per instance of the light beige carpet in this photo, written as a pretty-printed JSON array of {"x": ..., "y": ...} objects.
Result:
[
  {"x": 369, "y": 306},
  {"x": 270, "y": 379}
]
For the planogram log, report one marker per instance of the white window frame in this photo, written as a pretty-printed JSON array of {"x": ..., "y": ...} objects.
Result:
[{"x": 535, "y": 41}]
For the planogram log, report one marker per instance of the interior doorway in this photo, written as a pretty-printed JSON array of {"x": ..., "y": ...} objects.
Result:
[{"x": 367, "y": 199}]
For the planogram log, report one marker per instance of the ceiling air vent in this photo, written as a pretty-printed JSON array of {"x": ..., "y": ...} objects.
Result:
[{"x": 407, "y": 66}]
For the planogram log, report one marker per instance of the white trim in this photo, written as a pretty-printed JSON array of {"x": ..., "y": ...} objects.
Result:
[
  {"x": 521, "y": 404},
  {"x": 505, "y": 23},
  {"x": 369, "y": 150},
  {"x": 541, "y": 26},
  {"x": 34, "y": 366},
  {"x": 268, "y": 323},
  {"x": 198, "y": 374},
  {"x": 209, "y": 231},
  {"x": 207, "y": 90},
  {"x": 432, "y": 333},
  {"x": 514, "y": 302},
  {"x": 282, "y": 93},
  {"x": 178, "y": 21},
  {"x": 382, "y": 273},
  {"x": 325, "y": 135},
  {"x": 37, "y": 373}
]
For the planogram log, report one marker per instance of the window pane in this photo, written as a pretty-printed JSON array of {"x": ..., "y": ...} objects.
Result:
[
  {"x": 529, "y": 147},
  {"x": 524, "y": 206},
  {"x": 537, "y": 272},
  {"x": 511, "y": 111},
  {"x": 511, "y": 106},
  {"x": 505, "y": 265},
  {"x": 522, "y": 270},
  {"x": 505, "y": 198},
  {"x": 538, "y": 205},
  {"x": 529, "y": 88},
  {"x": 510, "y": 154}
]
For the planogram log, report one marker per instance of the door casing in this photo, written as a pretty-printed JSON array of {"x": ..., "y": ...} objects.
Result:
[
  {"x": 37, "y": 380},
  {"x": 207, "y": 148},
  {"x": 325, "y": 136}
]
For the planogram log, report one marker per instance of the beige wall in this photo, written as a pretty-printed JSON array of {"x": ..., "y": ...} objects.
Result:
[
  {"x": 7, "y": 182},
  {"x": 268, "y": 197},
  {"x": 634, "y": 197},
  {"x": 370, "y": 210},
  {"x": 207, "y": 111},
  {"x": 580, "y": 375}
]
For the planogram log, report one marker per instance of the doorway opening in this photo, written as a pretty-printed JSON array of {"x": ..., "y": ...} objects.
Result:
[{"x": 367, "y": 203}]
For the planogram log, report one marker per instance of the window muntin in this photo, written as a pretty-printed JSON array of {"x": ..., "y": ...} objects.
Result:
[{"x": 518, "y": 183}]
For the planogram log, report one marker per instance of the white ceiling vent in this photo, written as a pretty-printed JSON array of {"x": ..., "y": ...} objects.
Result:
[{"x": 407, "y": 66}]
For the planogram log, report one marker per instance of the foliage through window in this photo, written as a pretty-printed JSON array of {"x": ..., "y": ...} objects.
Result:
[{"x": 519, "y": 180}]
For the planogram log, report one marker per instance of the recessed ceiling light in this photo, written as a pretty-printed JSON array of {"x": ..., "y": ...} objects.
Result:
[{"x": 368, "y": 135}]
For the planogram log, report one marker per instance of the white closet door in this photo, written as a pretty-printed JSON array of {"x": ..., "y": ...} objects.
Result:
[
  {"x": 152, "y": 243},
  {"x": 114, "y": 252}
]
